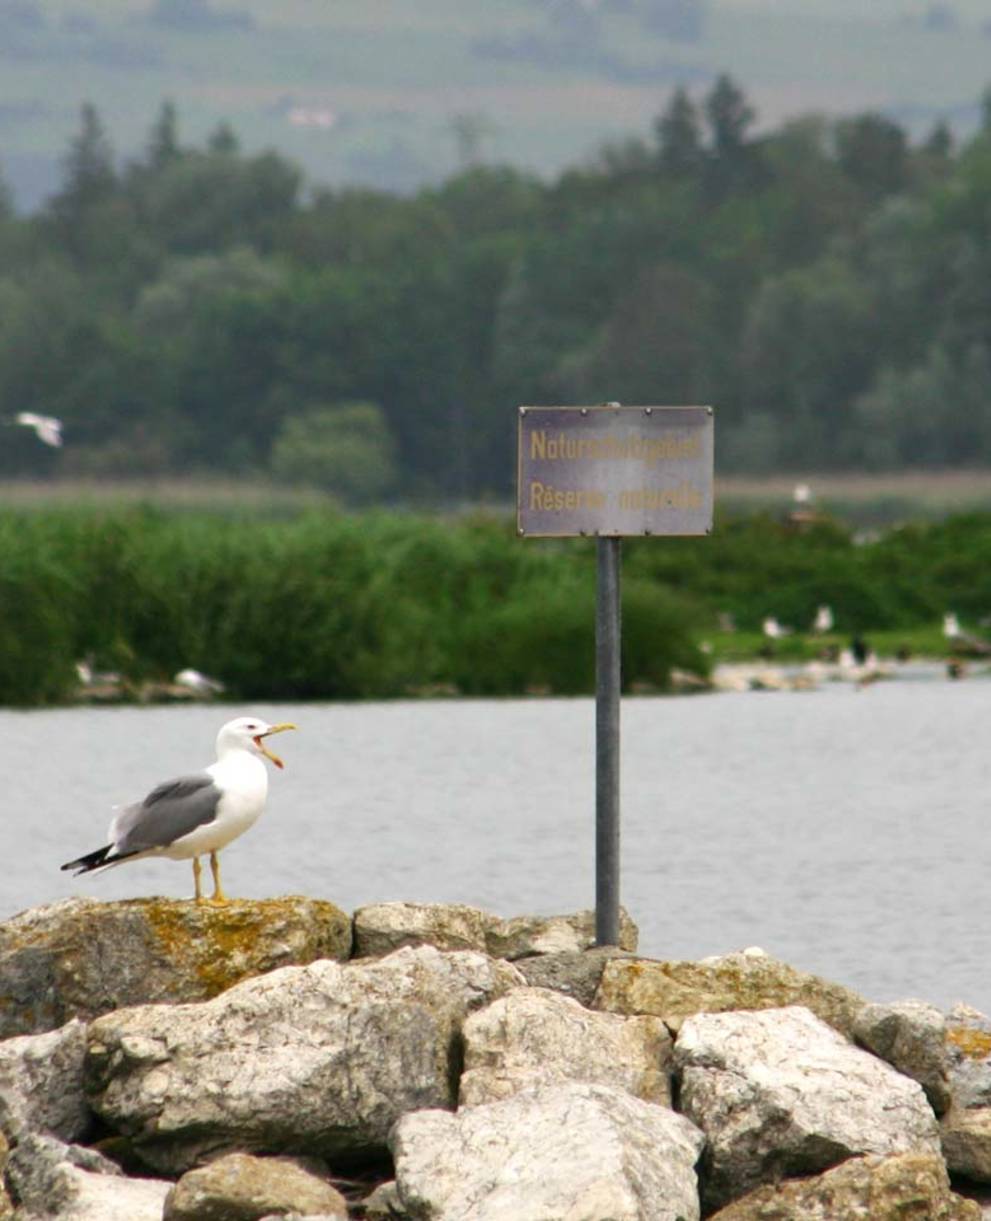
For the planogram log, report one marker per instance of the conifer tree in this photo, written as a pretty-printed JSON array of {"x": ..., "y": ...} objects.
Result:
[{"x": 679, "y": 139}]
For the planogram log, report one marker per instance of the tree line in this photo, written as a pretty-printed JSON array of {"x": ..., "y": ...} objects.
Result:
[{"x": 204, "y": 310}]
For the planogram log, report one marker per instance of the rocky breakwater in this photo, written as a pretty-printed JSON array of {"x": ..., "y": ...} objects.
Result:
[{"x": 174, "y": 1062}]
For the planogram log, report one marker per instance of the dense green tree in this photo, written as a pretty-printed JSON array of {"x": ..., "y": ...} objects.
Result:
[
  {"x": 806, "y": 353},
  {"x": 203, "y": 202},
  {"x": 345, "y": 449},
  {"x": 163, "y": 142},
  {"x": 679, "y": 136},
  {"x": 734, "y": 163},
  {"x": 89, "y": 176},
  {"x": 87, "y": 202},
  {"x": 822, "y": 284},
  {"x": 223, "y": 140},
  {"x": 873, "y": 153}
]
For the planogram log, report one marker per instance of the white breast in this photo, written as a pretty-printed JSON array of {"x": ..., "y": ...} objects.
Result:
[{"x": 243, "y": 781}]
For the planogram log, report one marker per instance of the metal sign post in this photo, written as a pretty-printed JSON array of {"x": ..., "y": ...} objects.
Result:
[
  {"x": 606, "y": 472},
  {"x": 608, "y": 633}
]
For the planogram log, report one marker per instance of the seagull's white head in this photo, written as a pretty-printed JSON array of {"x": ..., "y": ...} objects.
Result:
[{"x": 247, "y": 733}]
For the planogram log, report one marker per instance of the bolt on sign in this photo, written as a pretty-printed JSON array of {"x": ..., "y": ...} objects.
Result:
[{"x": 614, "y": 471}]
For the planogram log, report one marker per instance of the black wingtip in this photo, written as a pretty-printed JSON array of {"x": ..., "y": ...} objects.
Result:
[{"x": 92, "y": 860}]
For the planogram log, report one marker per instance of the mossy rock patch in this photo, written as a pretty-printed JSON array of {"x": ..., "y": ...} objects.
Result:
[{"x": 82, "y": 958}]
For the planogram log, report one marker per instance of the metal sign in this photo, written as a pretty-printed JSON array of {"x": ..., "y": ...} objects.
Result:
[{"x": 614, "y": 471}]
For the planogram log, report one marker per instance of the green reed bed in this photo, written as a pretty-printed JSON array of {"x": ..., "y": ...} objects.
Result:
[
  {"x": 319, "y": 605},
  {"x": 322, "y": 606}
]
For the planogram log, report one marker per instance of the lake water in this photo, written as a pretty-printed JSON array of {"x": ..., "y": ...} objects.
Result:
[{"x": 844, "y": 831}]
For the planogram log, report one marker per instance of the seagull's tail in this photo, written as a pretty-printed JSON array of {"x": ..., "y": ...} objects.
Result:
[{"x": 95, "y": 860}]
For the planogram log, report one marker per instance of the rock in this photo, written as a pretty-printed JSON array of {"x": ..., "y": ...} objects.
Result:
[
  {"x": 746, "y": 980},
  {"x": 314, "y": 1060},
  {"x": 82, "y": 958},
  {"x": 245, "y": 1187},
  {"x": 781, "y": 1093},
  {"x": 532, "y": 1038},
  {"x": 381, "y": 928},
  {"x": 968, "y": 1047},
  {"x": 861, "y": 1189},
  {"x": 576, "y": 973},
  {"x": 911, "y": 1036},
  {"x": 582, "y": 1151},
  {"x": 55, "y": 1180},
  {"x": 523, "y": 936},
  {"x": 6, "y": 1205},
  {"x": 384, "y": 1204},
  {"x": 41, "y": 1084},
  {"x": 966, "y": 1136}
]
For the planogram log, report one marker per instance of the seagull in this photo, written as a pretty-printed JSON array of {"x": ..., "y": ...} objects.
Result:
[
  {"x": 47, "y": 428},
  {"x": 773, "y": 629},
  {"x": 963, "y": 642},
  {"x": 198, "y": 682},
  {"x": 823, "y": 620},
  {"x": 198, "y": 813}
]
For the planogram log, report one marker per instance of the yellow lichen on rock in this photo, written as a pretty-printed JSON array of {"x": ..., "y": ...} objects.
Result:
[
  {"x": 82, "y": 958},
  {"x": 974, "y": 1044},
  {"x": 222, "y": 943}
]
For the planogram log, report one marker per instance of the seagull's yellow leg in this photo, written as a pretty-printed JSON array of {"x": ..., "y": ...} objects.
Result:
[
  {"x": 218, "y": 890},
  {"x": 197, "y": 870}
]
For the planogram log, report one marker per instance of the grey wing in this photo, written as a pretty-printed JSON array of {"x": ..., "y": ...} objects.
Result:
[{"x": 169, "y": 812}]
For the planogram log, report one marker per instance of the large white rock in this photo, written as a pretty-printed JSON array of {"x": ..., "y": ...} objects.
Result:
[
  {"x": 41, "y": 1083},
  {"x": 966, "y": 1136},
  {"x": 897, "y": 1188},
  {"x": 561, "y": 1153},
  {"x": 319, "y": 1059},
  {"x": 968, "y": 1047},
  {"x": 778, "y": 1092},
  {"x": 523, "y": 936},
  {"x": 55, "y": 1180},
  {"x": 911, "y": 1036},
  {"x": 380, "y": 928},
  {"x": 749, "y": 979},
  {"x": 576, "y": 973},
  {"x": 241, "y": 1186},
  {"x": 534, "y": 1037},
  {"x": 82, "y": 957}
]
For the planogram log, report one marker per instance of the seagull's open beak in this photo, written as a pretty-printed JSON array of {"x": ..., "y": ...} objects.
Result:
[{"x": 272, "y": 729}]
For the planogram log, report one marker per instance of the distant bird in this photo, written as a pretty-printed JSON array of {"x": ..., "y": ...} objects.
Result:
[
  {"x": 47, "y": 428},
  {"x": 199, "y": 683},
  {"x": 198, "y": 813},
  {"x": 824, "y": 620},
  {"x": 773, "y": 629},
  {"x": 802, "y": 494},
  {"x": 963, "y": 642}
]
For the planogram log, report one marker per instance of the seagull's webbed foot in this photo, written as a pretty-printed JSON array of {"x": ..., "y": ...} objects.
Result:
[{"x": 218, "y": 890}]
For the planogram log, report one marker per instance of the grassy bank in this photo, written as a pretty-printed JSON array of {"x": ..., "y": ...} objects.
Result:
[{"x": 316, "y": 605}]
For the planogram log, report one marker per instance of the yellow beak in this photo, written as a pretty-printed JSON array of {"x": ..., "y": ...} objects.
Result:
[{"x": 268, "y": 732}]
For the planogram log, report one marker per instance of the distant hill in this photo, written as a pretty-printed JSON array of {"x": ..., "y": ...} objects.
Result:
[{"x": 393, "y": 93}]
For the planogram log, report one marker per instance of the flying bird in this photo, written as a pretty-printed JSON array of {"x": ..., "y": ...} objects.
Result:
[
  {"x": 47, "y": 428},
  {"x": 198, "y": 682},
  {"x": 196, "y": 814}
]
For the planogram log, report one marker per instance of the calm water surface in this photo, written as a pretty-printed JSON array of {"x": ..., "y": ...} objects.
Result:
[{"x": 843, "y": 831}]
